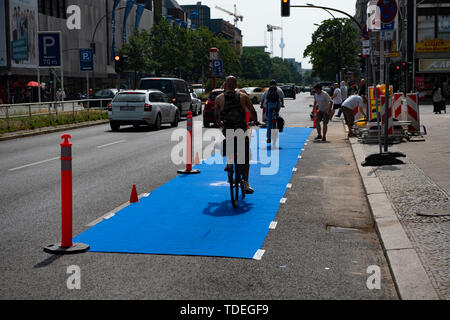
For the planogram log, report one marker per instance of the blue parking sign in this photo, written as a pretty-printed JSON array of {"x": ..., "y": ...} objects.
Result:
[
  {"x": 49, "y": 43},
  {"x": 86, "y": 60},
  {"x": 217, "y": 67}
]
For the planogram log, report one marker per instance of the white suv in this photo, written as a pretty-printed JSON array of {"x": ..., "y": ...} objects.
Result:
[{"x": 146, "y": 107}]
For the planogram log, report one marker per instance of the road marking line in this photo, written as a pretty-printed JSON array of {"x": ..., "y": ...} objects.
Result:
[
  {"x": 113, "y": 212},
  {"x": 289, "y": 185},
  {"x": 258, "y": 255},
  {"x": 273, "y": 225},
  {"x": 33, "y": 164},
  {"x": 283, "y": 200},
  {"x": 294, "y": 169},
  {"x": 110, "y": 144}
]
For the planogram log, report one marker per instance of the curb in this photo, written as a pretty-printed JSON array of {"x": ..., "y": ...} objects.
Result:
[
  {"x": 44, "y": 130},
  {"x": 408, "y": 273}
]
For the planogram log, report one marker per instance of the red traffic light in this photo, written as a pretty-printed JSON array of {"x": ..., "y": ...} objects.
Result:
[
  {"x": 404, "y": 64},
  {"x": 398, "y": 67}
]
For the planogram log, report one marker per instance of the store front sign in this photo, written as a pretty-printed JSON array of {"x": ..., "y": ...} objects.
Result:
[
  {"x": 435, "y": 45},
  {"x": 434, "y": 65}
]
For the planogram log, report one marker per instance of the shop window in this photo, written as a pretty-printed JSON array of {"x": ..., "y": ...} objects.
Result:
[
  {"x": 444, "y": 28},
  {"x": 425, "y": 28},
  {"x": 41, "y": 6}
]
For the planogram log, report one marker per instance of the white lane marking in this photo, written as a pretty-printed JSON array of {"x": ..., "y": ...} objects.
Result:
[
  {"x": 294, "y": 169},
  {"x": 273, "y": 225},
  {"x": 258, "y": 255},
  {"x": 33, "y": 164},
  {"x": 283, "y": 200},
  {"x": 289, "y": 185},
  {"x": 113, "y": 212},
  {"x": 110, "y": 144}
]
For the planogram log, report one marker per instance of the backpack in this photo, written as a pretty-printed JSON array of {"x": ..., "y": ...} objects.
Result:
[
  {"x": 273, "y": 96},
  {"x": 233, "y": 115}
]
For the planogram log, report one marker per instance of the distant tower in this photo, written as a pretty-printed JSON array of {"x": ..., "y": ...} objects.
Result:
[{"x": 282, "y": 47}]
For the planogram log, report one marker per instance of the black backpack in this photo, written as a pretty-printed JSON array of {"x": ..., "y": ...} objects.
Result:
[
  {"x": 233, "y": 115},
  {"x": 273, "y": 96}
]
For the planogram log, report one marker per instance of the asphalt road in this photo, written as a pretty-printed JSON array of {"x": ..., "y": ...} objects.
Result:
[{"x": 303, "y": 259}]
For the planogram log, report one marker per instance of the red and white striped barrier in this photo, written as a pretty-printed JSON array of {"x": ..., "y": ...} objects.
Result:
[
  {"x": 390, "y": 119},
  {"x": 358, "y": 112},
  {"x": 413, "y": 113},
  {"x": 398, "y": 106}
]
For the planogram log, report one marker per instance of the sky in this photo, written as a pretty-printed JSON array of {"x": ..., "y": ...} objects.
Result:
[{"x": 297, "y": 29}]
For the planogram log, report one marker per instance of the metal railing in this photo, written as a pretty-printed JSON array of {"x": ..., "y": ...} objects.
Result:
[{"x": 22, "y": 114}]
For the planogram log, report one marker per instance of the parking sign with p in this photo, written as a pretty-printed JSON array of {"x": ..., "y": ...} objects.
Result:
[{"x": 49, "y": 49}]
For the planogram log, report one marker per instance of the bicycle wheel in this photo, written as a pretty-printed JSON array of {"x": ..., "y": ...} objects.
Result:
[
  {"x": 241, "y": 179},
  {"x": 234, "y": 187}
]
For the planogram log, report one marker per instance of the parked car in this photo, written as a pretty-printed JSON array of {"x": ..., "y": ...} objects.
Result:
[
  {"x": 107, "y": 94},
  {"x": 289, "y": 91},
  {"x": 307, "y": 89},
  {"x": 196, "y": 104},
  {"x": 209, "y": 111},
  {"x": 176, "y": 89},
  {"x": 255, "y": 93},
  {"x": 146, "y": 107}
]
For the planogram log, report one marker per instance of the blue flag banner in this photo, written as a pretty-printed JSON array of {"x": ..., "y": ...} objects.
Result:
[
  {"x": 130, "y": 4},
  {"x": 113, "y": 25},
  {"x": 139, "y": 11}
]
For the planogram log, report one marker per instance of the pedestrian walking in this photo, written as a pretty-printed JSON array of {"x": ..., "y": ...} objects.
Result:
[
  {"x": 344, "y": 93},
  {"x": 337, "y": 99},
  {"x": 437, "y": 99},
  {"x": 348, "y": 106},
  {"x": 362, "y": 87},
  {"x": 324, "y": 103}
]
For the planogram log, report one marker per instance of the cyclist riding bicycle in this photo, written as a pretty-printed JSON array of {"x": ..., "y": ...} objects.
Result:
[
  {"x": 273, "y": 99},
  {"x": 231, "y": 114}
]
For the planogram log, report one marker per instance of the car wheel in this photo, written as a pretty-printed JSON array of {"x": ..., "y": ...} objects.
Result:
[
  {"x": 114, "y": 126},
  {"x": 255, "y": 100},
  {"x": 200, "y": 111},
  {"x": 175, "y": 120},
  {"x": 157, "y": 124},
  {"x": 206, "y": 124}
]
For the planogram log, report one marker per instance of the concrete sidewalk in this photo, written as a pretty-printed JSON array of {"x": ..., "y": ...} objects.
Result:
[{"x": 401, "y": 198}]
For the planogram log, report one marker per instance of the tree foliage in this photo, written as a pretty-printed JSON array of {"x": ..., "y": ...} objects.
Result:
[{"x": 334, "y": 46}]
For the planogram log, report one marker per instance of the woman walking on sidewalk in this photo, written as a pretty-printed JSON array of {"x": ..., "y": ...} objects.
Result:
[{"x": 437, "y": 99}]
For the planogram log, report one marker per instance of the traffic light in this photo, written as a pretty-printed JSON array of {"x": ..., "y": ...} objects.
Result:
[
  {"x": 410, "y": 68},
  {"x": 362, "y": 63},
  {"x": 285, "y": 8},
  {"x": 118, "y": 63}
]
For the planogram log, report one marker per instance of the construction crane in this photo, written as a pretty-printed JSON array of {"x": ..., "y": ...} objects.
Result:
[
  {"x": 271, "y": 28},
  {"x": 235, "y": 15}
]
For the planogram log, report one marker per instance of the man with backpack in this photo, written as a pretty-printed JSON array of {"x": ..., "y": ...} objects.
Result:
[
  {"x": 273, "y": 99},
  {"x": 231, "y": 116}
]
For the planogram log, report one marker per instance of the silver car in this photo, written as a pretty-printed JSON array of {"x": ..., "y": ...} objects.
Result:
[
  {"x": 146, "y": 107},
  {"x": 196, "y": 104}
]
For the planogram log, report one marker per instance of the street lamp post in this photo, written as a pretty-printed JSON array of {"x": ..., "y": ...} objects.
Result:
[{"x": 92, "y": 44}]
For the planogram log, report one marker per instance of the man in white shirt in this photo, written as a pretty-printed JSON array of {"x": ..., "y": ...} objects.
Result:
[
  {"x": 323, "y": 102},
  {"x": 348, "y": 106},
  {"x": 337, "y": 99}
]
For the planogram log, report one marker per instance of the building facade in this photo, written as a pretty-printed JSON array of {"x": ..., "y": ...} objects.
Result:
[
  {"x": 200, "y": 15},
  {"x": 24, "y": 18}
]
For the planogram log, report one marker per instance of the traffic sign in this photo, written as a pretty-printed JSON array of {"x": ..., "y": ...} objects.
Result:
[
  {"x": 388, "y": 10},
  {"x": 365, "y": 43},
  {"x": 366, "y": 51},
  {"x": 217, "y": 67},
  {"x": 49, "y": 43},
  {"x": 86, "y": 60}
]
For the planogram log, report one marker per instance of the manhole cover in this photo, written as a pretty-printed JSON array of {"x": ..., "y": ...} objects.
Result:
[{"x": 434, "y": 213}]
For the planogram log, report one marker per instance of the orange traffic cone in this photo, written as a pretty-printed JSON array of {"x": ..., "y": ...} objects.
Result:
[
  {"x": 197, "y": 160},
  {"x": 134, "y": 196}
]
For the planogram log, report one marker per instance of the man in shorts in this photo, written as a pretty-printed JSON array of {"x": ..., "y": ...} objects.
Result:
[
  {"x": 230, "y": 111},
  {"x": 348, "y": 106},
  {"x": 323, "y": 102}
]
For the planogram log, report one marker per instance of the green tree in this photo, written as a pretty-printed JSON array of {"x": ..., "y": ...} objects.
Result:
[
  {"x": 137, "y": 51},
  {"x": 334, "y": 46}
]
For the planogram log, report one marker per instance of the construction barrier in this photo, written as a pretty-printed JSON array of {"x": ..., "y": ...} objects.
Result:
[
  {"x": 398, "y": 97},
  {"x": 66, "y": 246},
  {"x": 189, "y": 144},
  {"x": 390, "y": 119},
  {"x": 413, "y": 113}
]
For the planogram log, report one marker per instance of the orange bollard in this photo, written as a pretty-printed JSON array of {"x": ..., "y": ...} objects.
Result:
[
  {"x": 66, "y": 246},
  {"x": 189, "y": 144}
]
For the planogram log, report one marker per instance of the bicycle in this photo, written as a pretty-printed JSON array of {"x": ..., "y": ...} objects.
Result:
[{"x": 274, "y": 126}]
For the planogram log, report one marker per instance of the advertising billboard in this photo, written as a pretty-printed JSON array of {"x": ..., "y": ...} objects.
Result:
[
  {"x": 3, "y": 52},
  {"x": 23, "y": 19}
]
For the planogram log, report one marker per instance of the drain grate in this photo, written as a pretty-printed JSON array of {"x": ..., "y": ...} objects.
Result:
[
  {"x": 335, "y": 229},
  {"x": 434, "y": 213}
]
